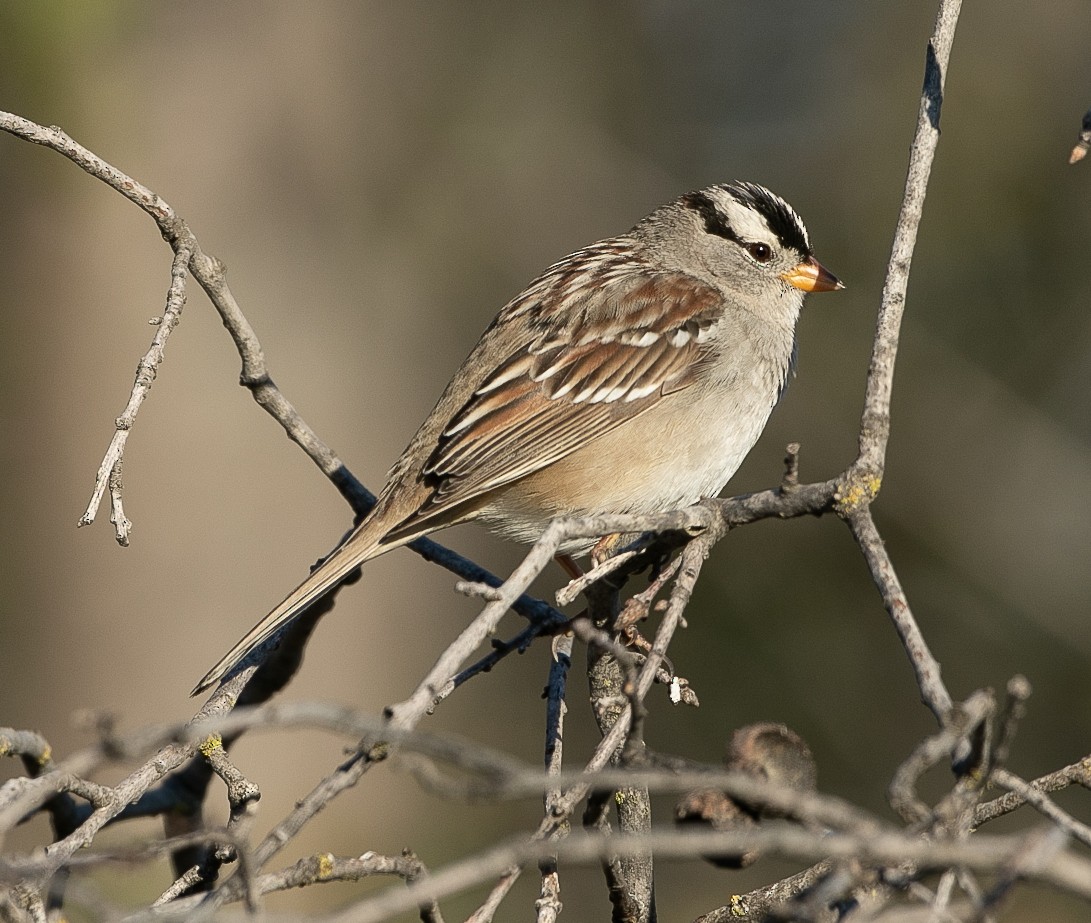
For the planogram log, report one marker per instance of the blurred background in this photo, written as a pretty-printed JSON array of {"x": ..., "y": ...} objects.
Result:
[{"x": 379, "y": 180}]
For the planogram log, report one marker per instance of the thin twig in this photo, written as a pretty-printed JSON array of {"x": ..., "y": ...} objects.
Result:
[
  {"x": 758, "y": 905},
  {"x": 933, "y": 691},
  {"x": 1043, "y": 804},
  {"x": 183, "y": 884},
  {"x": 1075, "y": 774},
  {"x": 500, "y": 650},
  {"x": 548, "y": 905},
  {"x": 875, "y": 421},
  {"x": 961, "y": 721},
  {"x": 109, "y": 472},
  {"x": 1012, "y": 712}
]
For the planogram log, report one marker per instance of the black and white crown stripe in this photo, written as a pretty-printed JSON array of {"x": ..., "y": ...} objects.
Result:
[{"x": 753, "y": 203}]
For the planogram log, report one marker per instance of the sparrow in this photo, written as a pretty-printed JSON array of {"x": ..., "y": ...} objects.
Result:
[{"x": 632, "y": 376}]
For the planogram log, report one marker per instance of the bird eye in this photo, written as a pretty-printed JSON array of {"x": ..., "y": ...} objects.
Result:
[{"x": 763, "y": 253}]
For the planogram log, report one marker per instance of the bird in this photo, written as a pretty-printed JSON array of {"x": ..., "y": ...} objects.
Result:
[{"x": 632, "y": 376}]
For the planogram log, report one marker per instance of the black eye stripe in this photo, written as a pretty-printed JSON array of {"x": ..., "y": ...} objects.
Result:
[
  {"x": 780, "y": 217},
  {"x": 715, "y": 222}
]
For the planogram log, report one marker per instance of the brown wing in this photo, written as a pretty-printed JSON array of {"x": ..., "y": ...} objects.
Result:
[{"x": 608, "y": 355}]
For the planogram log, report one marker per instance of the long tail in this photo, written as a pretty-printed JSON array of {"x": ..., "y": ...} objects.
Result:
[{"x": 359, "y": 547}]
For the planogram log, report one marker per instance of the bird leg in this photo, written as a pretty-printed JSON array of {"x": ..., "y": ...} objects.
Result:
[{"x": 569, "y": 566}]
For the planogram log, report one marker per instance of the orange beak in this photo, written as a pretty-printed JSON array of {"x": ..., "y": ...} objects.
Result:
[{"x": 812, "y": 276}]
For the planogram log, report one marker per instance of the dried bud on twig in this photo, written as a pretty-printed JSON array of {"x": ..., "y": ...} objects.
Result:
[{"x": 1083, "y": 144}]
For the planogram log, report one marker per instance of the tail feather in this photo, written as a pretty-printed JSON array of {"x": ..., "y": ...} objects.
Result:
[{"x": 357, "y": 548}]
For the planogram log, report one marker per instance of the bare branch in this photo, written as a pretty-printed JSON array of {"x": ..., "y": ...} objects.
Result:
[
  {"x": 960, "y": 722},
  {"x": 984, "y": 853},
  {"x": 759, "y": 905},
  {"x": 109, "y": 473},
  {"x": 1041, "y": 802},
  {"x": 31, "y": 746},
  {"x": 1074, "y": 774},
  {"x": 548, "y": 905},
  {"x": 875, "y": 421},
  {"x": 934, "y": 693}
]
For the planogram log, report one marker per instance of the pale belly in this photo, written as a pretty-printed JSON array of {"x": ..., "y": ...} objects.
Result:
[{"x": 664, "y": 460}]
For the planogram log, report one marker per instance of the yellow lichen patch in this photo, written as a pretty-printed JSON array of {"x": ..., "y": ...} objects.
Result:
[
  {"x": 325, "y": 865},
  {"x": 857, "y": 491},
  {"x": 210, "y": 743},
  {"x": 738, "y": 906},
  {"x": 47, "y": 755}
]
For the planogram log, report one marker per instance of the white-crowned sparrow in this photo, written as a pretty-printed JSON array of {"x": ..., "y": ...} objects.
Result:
[{"x": 632, "y": 376}]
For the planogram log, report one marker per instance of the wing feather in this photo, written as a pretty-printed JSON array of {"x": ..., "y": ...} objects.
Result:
[{"x": 606, "y": 356}]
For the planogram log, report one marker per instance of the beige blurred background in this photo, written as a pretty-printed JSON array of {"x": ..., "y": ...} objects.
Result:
[{"x": 379, "y": 179}]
